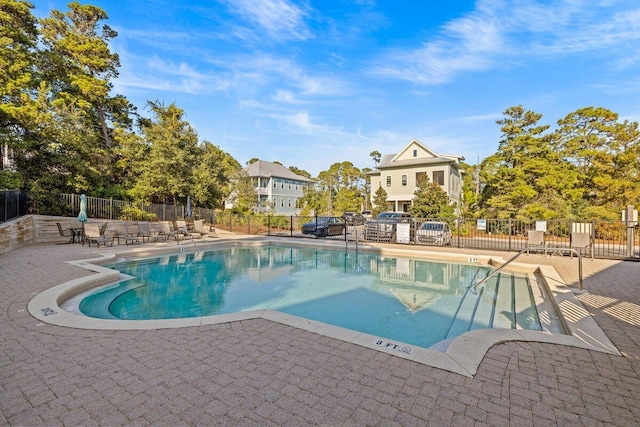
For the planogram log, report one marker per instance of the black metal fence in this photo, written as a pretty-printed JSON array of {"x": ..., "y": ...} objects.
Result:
[
  {"x": 13, "y": 204},
  {"x": 606, "y": 239}
]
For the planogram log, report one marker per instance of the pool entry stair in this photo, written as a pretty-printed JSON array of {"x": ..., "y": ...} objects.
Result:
[{"x": 504, "y": 301}]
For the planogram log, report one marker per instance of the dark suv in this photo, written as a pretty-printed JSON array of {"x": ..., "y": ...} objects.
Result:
[{"x": 383, "y": 227}]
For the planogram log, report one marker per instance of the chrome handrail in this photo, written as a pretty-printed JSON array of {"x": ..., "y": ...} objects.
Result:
[
  {"x": 185, "y": 232},
  {"x": 535, "y": 248}
]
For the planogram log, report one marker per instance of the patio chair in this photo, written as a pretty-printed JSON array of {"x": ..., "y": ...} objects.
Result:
[
  {"x": 92, "y": 234},
  {"x": 181, "y": 224},
  {"x": 65, "y": 232},
  {"x": 182, "y": 229},
  {"x": 166, "y": 230},
  {"x": 535, "y": 239},
  {"x": 144, "y": 231},
  {"x": 580, "y": 242},
  {"x": 157, "y": 233},
  {"x": 120, "y": 232},
  {"x": 198, "y": 228}
]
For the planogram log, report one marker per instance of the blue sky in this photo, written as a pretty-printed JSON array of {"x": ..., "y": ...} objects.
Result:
[{"x": 311, "y": 83}]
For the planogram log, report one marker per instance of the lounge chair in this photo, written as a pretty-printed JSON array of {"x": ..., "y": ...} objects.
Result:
[
  {"x": 181, "y": 224},
  {"x": 580, "y": 242},
  {"x": 198, "y": 228},
  {"x": 120, "y": 232},
  {"x": 166, "y": 230},
  {"x": 535, "y": 239},
  {"x": 66, "y": 232},
  {"x": 144, "y": 231},
  {"x": 182, "y": 229},
  {"x": 156, "y": 231},
  {"x": 92, "y": 234}
]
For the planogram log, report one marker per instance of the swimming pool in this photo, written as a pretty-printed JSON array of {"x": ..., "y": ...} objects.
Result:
[{"x": 413, "y": 301}]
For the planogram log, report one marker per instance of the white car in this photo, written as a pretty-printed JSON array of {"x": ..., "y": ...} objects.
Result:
[{"x": 434, "y": 233}]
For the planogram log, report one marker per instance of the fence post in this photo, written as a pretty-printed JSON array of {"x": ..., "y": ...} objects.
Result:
[
  {"x": 510, "y": 232},
  {"x": 249, "y": 224},
  {"x": 290, "y": 226},
  {"x": 593, "y": 237},
  {"x": 268, "y": 225},
  {"x": 630, "y": 223}
]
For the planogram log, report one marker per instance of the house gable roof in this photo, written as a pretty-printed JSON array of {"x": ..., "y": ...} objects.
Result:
[
  {"x": 422, "y": 151},
  {"x": 265, "y": 169},
  {"x": 424, "y": 156}
]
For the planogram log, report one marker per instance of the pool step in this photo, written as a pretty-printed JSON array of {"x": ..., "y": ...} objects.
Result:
[{"x": 504, "y": 301}]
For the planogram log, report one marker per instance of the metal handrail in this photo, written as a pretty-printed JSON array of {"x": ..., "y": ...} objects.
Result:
[
  {"x": 186, "y": 233},
  {"x": 536, "y": 248}
]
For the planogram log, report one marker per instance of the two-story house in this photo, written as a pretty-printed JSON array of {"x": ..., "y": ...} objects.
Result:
[
  {"x": 277, "y": 188},
  {"x": 400, "y": 174}
]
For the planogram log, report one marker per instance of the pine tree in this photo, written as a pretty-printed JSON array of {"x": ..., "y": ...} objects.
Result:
[
  {"x": 380, "y": 203},
  {"x": 431, "y": 202}
]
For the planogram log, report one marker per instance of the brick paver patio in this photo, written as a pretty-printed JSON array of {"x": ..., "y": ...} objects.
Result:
[{"x": 259, "y": 372}]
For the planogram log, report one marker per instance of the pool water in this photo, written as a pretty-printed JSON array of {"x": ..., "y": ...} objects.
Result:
[{"x": 416, "y": 302}]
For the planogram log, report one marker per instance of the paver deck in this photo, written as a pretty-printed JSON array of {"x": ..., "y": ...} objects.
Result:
[{"x": 259, "y": 372}]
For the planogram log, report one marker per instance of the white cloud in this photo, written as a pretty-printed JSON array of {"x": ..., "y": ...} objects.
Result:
[
  {"x": 263, "y": 71},
  {"x": 158, "y": 74},
  {"x": 500, "y": 32},
  {"x": 285, "y": 96},
  {"x": 280, "y": 19}
]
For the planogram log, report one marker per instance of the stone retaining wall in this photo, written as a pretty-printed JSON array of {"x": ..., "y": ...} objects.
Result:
[
  {"x": 44, "y": 229},
  {"x": 16, "y": 233}
]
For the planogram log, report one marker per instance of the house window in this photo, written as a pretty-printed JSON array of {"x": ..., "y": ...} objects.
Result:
[
  {"x": 415, "y": 153},
  {"x": 388, "y": 181},
  {"x": 438, "y": 177},
  {"x": 282, "y": 184},
  {"x": 297, "y": 203},
  {"x": 275, "y": 202},
  {"x": 289, "y": 202},
  {"x": 289, "y": 186},
  {"x": 274, "y": 183},
  {"x": 404, "y": 180},
  {"x": 282, "y": 202},
  {"x": 421, "y": 178}
]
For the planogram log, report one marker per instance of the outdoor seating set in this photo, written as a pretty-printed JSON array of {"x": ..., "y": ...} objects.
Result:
[{"x": 93, "y": 232}]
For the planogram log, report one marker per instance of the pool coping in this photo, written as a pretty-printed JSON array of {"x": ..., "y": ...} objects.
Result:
[{"x": 461, "y": 355}]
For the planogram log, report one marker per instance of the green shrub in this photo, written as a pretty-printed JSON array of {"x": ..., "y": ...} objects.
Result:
[{"x": 134, "y": 213}]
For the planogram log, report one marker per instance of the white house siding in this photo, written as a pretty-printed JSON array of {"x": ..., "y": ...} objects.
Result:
[{"x": 412, "y": 159}]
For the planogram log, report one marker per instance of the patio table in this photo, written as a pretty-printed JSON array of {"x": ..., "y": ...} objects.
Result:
[{"x": 76, "y": 234}]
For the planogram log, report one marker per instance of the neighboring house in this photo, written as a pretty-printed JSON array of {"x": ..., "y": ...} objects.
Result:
[
  {"x": 400, "y": 174},
  {"x": 277, "y": 188}
]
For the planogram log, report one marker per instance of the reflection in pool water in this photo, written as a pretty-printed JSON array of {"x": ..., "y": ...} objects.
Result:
[{"x": 413, "y": 301}]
